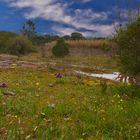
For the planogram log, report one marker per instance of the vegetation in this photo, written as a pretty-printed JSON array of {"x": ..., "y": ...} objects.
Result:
[
  {"x": 128, "y": 43},
  {"x": 4, "y": 38},
  {"x": 46, "y": 107},
  {"x": 61, "y": 48},
  {"x": 28, "y": 29},
  {"x": 51, "y": 38},
  {"x": 104, "y": 44},
  {"x": 52, "y": 104},
  {"x": 77, "y": 36},
  {"x": 20, "y": 46}
]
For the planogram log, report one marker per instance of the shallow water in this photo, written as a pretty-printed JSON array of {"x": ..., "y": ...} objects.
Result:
[{"x": 111, "y": 76}]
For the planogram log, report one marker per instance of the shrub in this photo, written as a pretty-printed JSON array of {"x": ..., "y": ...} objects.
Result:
[
  {"x": 127, "y": 39},
  {"x": 61, "y": 48},
  {"x": 4, "y": 37},
  {"x": 19, "y": 46},
  {"x": 105, "y": 47}
]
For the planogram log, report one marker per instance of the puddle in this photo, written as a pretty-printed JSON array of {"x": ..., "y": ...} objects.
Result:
[{"x": 110, "y": 76}]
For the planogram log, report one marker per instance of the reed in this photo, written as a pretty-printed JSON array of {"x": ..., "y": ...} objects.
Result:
[{"x": 89, "y": 43}]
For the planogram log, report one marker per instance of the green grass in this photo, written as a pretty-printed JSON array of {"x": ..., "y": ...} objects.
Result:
[{"x": 70, "y": 109}]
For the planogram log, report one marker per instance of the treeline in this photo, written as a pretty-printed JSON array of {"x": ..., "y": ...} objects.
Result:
[{"x": 27, "y": 40}]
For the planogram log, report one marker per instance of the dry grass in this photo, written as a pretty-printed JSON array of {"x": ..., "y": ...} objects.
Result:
[{"x": 88, "y": 43}]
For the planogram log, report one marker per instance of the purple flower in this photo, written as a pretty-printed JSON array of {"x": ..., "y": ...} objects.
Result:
[
  {"x": 58, "y": 75},
  {"x": 3, "y": 85}
]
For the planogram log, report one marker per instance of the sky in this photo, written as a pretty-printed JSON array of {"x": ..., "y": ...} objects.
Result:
[{"x": 93, "y": 18}]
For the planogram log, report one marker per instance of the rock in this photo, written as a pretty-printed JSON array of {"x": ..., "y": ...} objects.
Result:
[{"x": 9, "y": 93}]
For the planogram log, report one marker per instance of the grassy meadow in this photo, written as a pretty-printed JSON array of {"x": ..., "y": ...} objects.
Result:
[
  {"x": 67, "y": 108},
  {"x": 69, "y": 70},
  {"x": 71, "y": 107}
]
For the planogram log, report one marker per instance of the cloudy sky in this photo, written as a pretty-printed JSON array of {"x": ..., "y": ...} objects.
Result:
[{"x": 90, "y": 17}]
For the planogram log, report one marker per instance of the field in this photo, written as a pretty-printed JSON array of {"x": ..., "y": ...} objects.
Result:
[
  {"x": 69, "y": 70},
  {"x": 91, "y": 54},
  {"x": 68, "y": 108}
]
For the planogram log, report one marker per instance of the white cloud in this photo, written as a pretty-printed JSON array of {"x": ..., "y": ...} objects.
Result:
[
  {"x": 67, "y": 31},
  {"x": 57, "y": 11},
  {"x": 63, "y": 30},
  {"x": 101, "y": 30}
]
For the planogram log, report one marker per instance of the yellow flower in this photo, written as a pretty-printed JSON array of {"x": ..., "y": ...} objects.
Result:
[
  {"x": 37, "y": 84},
  {"x": 17, "y": 84},
  {"x": 13, "y": 65}
]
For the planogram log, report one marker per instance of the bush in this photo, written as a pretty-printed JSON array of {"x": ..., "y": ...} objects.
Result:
[
  {"x": 20, "y": 46},
  {"x": 61, "y": 48},
  {"x": 4, "y": 37},
  {"x": 105, "y": 47},
  {"x": 128, "y": 41}
]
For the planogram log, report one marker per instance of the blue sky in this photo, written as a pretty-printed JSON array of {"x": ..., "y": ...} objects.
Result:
[{"x": 90, "y": 17}]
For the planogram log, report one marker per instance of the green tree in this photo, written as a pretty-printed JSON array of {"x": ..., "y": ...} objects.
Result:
[
  {"x": 61, "y": 48},
  {"x": 128, "y": 42},
  {"x": 77, "y": 36},
  {"x": 28, "y": 29},
  {"x": 67, "y": 37}
]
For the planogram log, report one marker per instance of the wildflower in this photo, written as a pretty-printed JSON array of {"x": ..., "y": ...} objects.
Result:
[
  {"x": 3, "y": 85},
  {"x": 37, "y": 84},
  {"x": 118, "y": 96},
  {"x": 121, "y": 108},
  {"x": 58, "y": 75},
  {"x": 17, "y": 84},
  {"x": 37, "y": 95},
  {"x": 4, "y": 103},
  {"x": 112, "y": 101},
  {"x": 102, "y": 111},
  {"x": 103, "y": 119},
  {"x": 13, "y": 65}
]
